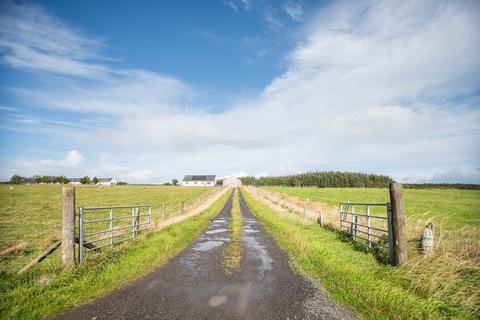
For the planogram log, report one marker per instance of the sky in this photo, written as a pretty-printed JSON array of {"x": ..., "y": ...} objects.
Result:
[{"x": 147, "y": 91}]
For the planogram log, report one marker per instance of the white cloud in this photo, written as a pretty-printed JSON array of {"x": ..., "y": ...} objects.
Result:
[
  {"x": 31, "y": 38},
  {"x": 374, "y": 87},
  {"x": 67, "y": 165},
  {"x": 235, "y": 5},
  {"x": 294, "y": 10},
  {"x": 73, "y": 159}
]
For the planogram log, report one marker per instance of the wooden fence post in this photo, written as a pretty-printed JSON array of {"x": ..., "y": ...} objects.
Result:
[
  {"x": 320, "y": 218},
  {"x": 68, "y": 226},
  {"x": 399, "y": 232},
  {"x": 183, "y": 206}
]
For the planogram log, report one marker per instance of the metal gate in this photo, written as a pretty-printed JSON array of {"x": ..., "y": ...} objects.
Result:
[
  {"x": 118, "y": 223},
  {"x": 371, "y": 222}
]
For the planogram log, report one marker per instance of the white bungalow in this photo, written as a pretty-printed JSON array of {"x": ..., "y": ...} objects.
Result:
[
  {"x": 106, "y": 182},
  {"x": 199, "y": 181}
]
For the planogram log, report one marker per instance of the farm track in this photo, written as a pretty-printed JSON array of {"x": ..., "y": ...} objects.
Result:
[{"x": 194, "y": 284}]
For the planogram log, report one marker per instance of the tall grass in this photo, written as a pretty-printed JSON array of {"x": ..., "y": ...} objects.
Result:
[{"x": 354, "y": 277}]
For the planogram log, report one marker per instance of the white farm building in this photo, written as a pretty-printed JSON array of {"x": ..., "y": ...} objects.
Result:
[{"x": 199, "y": 181}]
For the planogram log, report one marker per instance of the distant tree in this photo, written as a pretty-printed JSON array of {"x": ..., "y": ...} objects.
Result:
[
  {"x": 16, "y": 179},
  {"x": 121, "y": 183},
  {"x": 63, "y": 180},
  {"x": 95, "y": 180},
  {"x": 167, "y": 184},
  {"x": 174, "y": 182},
  {"x": 85, "y": 180}
]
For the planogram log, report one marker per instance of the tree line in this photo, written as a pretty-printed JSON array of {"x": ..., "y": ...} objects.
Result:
[
  {"x": 323, "y": 179},
  {"x": 17, "y": 179},
  {"x": 459, "y": 186}
]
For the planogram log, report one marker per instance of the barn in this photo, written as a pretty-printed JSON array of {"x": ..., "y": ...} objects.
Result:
[{"x": 199, "y": 181}]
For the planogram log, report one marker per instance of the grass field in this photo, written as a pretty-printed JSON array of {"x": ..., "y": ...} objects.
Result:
[
  {"x": 32, "y": 213},
  {"x": 354, "y": 277},
  {"x": 452, "y": 209},
  {"x": 30, "y": 297},
  {"x": 452, "y": 276}
]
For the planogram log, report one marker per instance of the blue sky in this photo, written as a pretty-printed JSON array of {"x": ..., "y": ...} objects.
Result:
[{"x": 152, "y": 90}]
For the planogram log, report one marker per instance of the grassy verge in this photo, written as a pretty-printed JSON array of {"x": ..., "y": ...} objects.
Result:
[
  {"x": 453, "y": 273},
  {"x": 23, "y": 297},
  {"x": 232, "y": 251},
  {"x": 355, "y": 278}
]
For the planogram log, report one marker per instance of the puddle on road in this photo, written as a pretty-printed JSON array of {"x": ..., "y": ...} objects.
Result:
[
  {"x": 221, "y": 220},
  {"x": 255, "y": 246},
  {"x": 214, "y": 231},
  {"x": 207, "y": 245}
]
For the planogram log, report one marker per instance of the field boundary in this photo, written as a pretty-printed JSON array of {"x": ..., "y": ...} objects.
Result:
[{"x": 200, "y": 207}]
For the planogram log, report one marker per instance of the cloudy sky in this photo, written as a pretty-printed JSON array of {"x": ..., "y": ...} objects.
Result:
[{"x": 152, "y": 90}]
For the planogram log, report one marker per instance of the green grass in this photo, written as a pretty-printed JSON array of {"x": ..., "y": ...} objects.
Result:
[
  {"x": 32, "y": 213},
  {"x": 356, "y": 278},
  {"x": 232, "y": 251},
  {"x": 449, "y": 208},
  {"x": 22, "y": 297}
]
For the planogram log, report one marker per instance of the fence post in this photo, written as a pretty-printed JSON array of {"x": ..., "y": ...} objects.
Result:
[
  {"x": 426, "y": 242},
  {"x": 163, "y": 212},
  {"x": 341, "y": 211},
  {"x": 320, "y": 218},
  {"x": 304, "y": 213},
  {"x": 399, "y": 232},
  {"x": 183, "y": 206},
  {"x": 68, "y": 226}
]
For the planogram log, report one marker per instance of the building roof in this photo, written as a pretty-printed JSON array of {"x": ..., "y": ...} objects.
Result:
[{"x": 199, "y": 178}]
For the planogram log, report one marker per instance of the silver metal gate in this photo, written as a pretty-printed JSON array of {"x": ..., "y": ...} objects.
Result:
[
  {"x": 119, "y": 223},
  {"x": 371, "y": 222}
]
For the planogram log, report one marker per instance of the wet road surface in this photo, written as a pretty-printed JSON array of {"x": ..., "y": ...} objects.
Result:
[{"x": 194, "y": 285}]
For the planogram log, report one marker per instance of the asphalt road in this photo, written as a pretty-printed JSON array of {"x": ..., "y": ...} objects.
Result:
[{"x": 194, "y": 285}]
